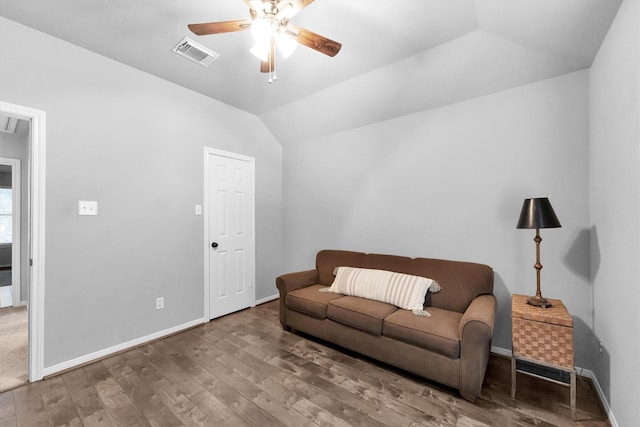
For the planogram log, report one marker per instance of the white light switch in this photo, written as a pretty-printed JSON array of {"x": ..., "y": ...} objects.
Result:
[
  {"x": 198, "y": 209},
  {"x": 86, "y": 207}
]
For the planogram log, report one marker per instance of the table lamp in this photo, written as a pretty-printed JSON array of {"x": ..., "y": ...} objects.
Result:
[{"x": 537, "y": 213}]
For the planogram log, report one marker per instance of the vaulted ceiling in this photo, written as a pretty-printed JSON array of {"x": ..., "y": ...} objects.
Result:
[{"x": 398, "y": 56}]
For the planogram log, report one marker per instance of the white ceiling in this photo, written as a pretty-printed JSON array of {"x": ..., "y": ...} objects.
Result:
[{"x": 398, "y": 56}]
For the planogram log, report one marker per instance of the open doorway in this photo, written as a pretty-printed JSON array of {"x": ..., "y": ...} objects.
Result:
[
  {"x": 29, "y": 274},
  {"x": 14, "y": 222}
]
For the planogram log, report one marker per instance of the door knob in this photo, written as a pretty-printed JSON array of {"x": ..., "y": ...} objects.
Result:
[{"x": 214, "y": 245}]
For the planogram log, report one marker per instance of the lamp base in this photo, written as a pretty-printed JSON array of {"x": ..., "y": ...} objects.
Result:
[{"x": 538, "y": 301}]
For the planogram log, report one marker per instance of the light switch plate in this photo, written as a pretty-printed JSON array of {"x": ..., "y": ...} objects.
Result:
[{"x": 87, "y": 207}]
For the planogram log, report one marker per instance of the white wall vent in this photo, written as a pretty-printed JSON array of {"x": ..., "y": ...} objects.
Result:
[{"x": 195, "y": 52}]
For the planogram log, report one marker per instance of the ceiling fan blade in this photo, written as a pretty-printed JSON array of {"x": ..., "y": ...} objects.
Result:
[
  {"x": 220, "y": 27},
  {"x": 315, "y": 41},
  {"x": 269, "y": 65}
]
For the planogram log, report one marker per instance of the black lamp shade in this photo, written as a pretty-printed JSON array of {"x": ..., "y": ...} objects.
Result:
[{"x": 538, "y": 213}]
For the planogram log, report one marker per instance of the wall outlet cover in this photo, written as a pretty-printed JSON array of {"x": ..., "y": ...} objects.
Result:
[{"x": 87, "y": 207}]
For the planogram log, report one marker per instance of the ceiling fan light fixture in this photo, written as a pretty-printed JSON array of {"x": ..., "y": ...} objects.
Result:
[
  {"x": 262, "y": 29},
  {"x": 287, "y": 11},
  {"x": 261, "y": 51},
  {"x": 286, "y": 45}
]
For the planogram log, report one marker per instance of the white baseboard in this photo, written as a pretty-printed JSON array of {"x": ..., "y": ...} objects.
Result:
[
  {"x": 583, "y": 372},
  {"x": 51, "y": 370},
  {"x": 501, "y": 351},
  {"x": 267, "y": 299},
  {"x": 607, "y": 408}
]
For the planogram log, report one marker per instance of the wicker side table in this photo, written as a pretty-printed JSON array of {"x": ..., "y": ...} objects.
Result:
[{"x": 543, "y": 337}]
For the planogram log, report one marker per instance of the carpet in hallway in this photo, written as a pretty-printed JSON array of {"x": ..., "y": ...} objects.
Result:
[{"x": 13, "y": 347}]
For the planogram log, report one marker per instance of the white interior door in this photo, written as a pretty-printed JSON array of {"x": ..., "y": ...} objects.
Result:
[{"x": 229, "y": 216}]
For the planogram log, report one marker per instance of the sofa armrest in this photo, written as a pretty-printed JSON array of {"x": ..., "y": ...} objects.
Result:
[
  {"x": 482, "y": 310},
  {"x": 476, "y": 330},
  {"x": 292, "y": 281}
]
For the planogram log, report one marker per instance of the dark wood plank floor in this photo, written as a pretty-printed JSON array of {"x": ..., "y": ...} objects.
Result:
[{"x": 243, "y": 370}]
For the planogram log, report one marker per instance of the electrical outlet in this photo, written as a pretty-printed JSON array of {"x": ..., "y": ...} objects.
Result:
[
  {"x": 87, "y": 207},
  {"x": 159, "y": 303}
]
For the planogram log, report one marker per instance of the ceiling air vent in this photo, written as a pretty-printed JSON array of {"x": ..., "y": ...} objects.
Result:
[{"x": 195, "y": 52}]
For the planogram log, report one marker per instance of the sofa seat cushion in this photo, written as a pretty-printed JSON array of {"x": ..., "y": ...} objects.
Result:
[
  {"x": 438, "y": 333},
  {"x": 310, "y": 301},
  {"x": 360, "y": 313}
]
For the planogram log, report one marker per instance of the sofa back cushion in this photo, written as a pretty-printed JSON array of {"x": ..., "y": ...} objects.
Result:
[
  {"x": 327, "y": 260},
  {"x": 398, "y": 264},
  {"x": 461, "y": 282}
]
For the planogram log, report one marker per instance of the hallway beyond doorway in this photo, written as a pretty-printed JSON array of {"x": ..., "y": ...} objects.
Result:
[
  {"x": 6, "y": 300},
  {"x": 13, "y": 347}
]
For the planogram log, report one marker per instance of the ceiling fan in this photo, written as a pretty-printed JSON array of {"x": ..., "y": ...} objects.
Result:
[{"x": 271, "y": 28}]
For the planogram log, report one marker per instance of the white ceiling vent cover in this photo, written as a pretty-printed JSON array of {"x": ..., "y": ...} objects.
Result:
[{"x": 195, "y": 52}]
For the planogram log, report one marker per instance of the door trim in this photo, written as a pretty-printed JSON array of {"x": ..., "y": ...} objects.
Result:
[
  {"x": 16, "y": 253},
  {"x": 208, "y": 151},
  {"x": 36, "y": 208}
]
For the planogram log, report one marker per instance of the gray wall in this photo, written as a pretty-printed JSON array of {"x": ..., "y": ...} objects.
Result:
[
  {"x": 135, "y": 144},
  {"x": 449, "y": 183},
  {"x": 615, "y": 209},
  {"x": 16, "y": 146}
]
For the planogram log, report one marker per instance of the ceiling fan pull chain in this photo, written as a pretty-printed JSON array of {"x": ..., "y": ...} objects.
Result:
[
  {"x": 275, "y": 76},
  {"x": 272, "y": 62}
]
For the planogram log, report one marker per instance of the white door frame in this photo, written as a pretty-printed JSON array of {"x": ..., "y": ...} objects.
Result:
[
  {"x": 37, "y": 160},
  {"x": 16, "y": 195},
  {"x": 207, "y": 211}
]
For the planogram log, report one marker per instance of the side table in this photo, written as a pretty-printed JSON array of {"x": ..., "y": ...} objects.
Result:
[{"x": 542, "y": 337}]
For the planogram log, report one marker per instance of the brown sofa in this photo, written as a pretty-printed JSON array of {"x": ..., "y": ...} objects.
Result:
[{"x": 451, "y": 347}]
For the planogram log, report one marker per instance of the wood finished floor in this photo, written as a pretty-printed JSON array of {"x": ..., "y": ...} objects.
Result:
[{"x": 243, "y": 370}]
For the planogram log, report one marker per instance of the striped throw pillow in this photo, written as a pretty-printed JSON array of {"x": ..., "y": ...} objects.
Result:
[{"x": 402, "y": 290}]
